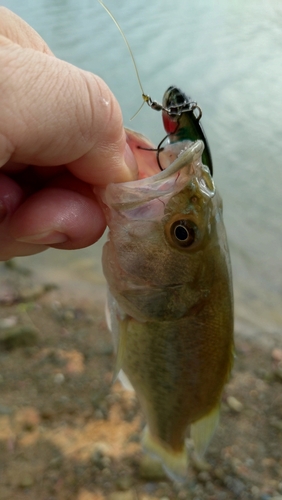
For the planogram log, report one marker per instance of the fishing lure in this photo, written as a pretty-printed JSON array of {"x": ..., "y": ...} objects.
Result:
[
  {"x": 181, "y": 116},
  {"x": 181, "y": 122}
]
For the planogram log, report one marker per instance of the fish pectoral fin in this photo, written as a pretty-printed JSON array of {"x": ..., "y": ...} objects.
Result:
[
  {"x": 108, "y": 315},
  {"x": 118, "y": 372},
  {"x": 121, "y": 347},
  {"x": 203, "y": 430},
  {"x": 174, "y": 463}
]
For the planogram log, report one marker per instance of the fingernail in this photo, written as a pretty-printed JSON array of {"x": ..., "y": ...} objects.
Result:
[
  {"x": 45, "y": 238},
  {"x": 130, "y": 161},
  {"x": 3, "y": 211}
]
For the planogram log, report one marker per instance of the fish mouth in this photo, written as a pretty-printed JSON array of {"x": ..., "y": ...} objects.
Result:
[
  {"x": 146, "y": 157},
  {"x": 185, "y": 158},
  {"x": 183, "y": 168}
]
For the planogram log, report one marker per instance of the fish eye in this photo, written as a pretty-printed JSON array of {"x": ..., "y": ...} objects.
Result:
[{"x": 183, "y": 233}]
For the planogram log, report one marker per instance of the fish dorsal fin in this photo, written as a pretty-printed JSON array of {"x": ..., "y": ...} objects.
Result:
[{"x": 202, "y": 431}]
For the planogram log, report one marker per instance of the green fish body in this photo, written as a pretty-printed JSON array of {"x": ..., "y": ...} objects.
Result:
[{"x": 170, "y": 303}]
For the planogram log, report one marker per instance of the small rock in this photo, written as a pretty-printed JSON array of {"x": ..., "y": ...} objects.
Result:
[
  {"x": 26, "y": 481},
  {"x": 255, "y": 491},
  {"x": 106, "y": 473},
  {"x": 235, "y": 485},
  {"x": 278, "y": 371},
  {"x": 5, "y": 410},
  {"x": 59, "y": 378},
  {"x": 98, "y": 456},
  {"x": 98, "y": 399},
  {"x": 20, "y": 336},
  {"x": 182, "y": 495},
  {"x": 14, "y": 266},
  {"x": 277, "y": 355},
  {"x": 124, "y": 483},
  {"x": 210, "y": 489},
  {"x": 268, "y": 462},
  {"x": 204, "y": 476},
  {"x": 69, "y": 315},
  {"x": 103, "y": 348},
  {"x": 65, "y": 315},
  {"x": 32, "y": 292},
  {"x": 198, "y": 491},
  {"x": 8, "y": 294},
  {"x": 134, "y": 438},
  {"x": 219, "y": 473},
  {"x": 107, "y": 462},
  {"x": 56, "y": 462},
  {"x": 151, "y": 488},
  {"x": 97, "y": 459},
  {"x": 99, "y": 415},
  {"x": 234, "y": 404},
  {"x": 249, "y": 462},
  {"x": 275, "y": 422},
  {"x": 151, "y": 469},
  {"x": 124, "y": 495},
  {"x": 221, "y": 495},
  {"x": 9, "y": 322},
  {"x": 48, "y": 413},
  {"x": 27, "y": 419}
]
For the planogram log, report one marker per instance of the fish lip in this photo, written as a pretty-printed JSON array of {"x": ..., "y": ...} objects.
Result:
[
  {"x": 128, "y": 196},
  {"x": 188, "y": 156}
]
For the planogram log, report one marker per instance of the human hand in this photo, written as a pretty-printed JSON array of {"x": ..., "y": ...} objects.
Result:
[{"x": 61, "y": 132}]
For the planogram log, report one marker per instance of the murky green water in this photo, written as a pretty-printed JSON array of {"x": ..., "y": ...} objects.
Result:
[{"x": 227, "y": 56}]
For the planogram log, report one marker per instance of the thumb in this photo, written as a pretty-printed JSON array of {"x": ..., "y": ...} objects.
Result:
[
  {"x": 109, "y": 158},
  {"x": 54, "y": 113}
]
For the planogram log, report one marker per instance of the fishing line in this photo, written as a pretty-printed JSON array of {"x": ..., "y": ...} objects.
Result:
[{"x": 146, "y": 98}]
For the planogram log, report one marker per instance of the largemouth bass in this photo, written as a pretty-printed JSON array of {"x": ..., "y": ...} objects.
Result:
[{"x": 170, "y": 302}]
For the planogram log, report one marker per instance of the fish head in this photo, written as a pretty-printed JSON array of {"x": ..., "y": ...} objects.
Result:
[{"x": 162, "y": 228}]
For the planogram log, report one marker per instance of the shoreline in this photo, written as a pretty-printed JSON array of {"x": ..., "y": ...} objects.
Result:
[{"x": 67, "y": 433}]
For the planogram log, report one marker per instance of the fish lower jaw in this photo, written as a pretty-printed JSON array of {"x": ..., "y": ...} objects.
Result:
[{"x": 175, "y": 464}]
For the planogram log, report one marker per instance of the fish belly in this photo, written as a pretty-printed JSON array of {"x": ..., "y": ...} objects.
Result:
[{"x": 178, "y": 370}]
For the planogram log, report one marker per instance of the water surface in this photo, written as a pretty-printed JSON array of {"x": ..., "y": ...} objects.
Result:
[{"x": 227, "y": 56}]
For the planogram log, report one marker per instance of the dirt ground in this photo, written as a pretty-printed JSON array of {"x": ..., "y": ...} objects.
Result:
[{"x": 67, "y": 433}]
